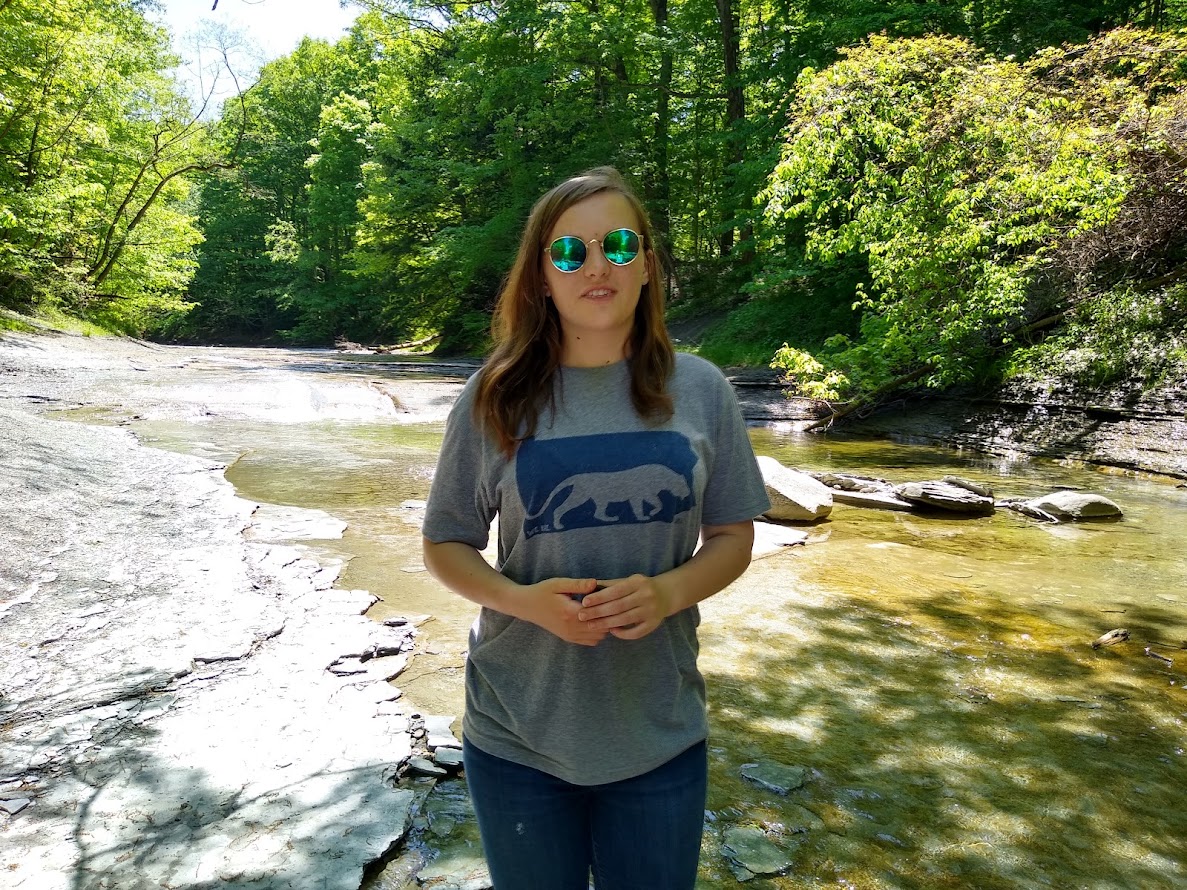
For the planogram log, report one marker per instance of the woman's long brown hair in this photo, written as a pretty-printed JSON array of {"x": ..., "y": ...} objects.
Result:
[{"x": 515, "y": 383}]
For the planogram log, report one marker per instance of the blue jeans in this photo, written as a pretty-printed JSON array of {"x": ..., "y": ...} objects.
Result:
[{"x": 542, "y": 833}]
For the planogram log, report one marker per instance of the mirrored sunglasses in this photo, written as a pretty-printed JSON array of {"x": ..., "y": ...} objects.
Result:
[{"x": 620, "y": 247}]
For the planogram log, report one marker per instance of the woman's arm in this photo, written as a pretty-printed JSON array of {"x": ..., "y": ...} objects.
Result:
[
  {"x": 633, "y": 607},
  {"x": 548, "y": 604}
]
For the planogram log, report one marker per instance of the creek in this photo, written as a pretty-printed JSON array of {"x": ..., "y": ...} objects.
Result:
[{"x": 933, "y": 675}]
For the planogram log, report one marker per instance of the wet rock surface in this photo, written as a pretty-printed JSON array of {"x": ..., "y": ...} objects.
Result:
[
  {"x": 775, "y": 776},
  {"x": 752, "y": 853},
  {"x": 1076, "y": 505},
  {"x": 944, "y": 495}
]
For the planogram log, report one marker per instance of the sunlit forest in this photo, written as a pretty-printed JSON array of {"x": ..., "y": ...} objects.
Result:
[{"x": 867, "y": 194}]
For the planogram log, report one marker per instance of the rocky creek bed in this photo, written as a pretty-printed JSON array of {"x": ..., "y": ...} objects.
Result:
[{"x": 186, "y": 699}]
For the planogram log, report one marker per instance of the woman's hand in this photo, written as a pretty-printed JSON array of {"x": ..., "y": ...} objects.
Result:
[
  {"x": 629, "y": 608},
  {"x": 550, "y": 605}
]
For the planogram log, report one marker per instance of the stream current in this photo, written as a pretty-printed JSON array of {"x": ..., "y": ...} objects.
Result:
[{"x": 933, "y": 675}]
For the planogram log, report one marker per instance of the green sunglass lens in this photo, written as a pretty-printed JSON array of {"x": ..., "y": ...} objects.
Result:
[
  {"x": 621, "y": 246},
  {"x": 567, "y": 253}
]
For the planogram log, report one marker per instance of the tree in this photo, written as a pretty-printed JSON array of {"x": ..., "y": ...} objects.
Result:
[{"x": 96, "y": 149}]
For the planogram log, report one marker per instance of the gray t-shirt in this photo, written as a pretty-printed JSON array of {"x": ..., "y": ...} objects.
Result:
[{"x": 597, "y": 492}]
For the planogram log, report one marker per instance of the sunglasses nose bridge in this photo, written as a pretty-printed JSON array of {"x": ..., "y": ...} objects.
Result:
[{"x": 603, "y": 260}]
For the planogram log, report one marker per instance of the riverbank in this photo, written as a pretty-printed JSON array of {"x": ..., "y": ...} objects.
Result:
[
  {"x": 1130, "y": 430},
  {"x": 167, "y": 718}
]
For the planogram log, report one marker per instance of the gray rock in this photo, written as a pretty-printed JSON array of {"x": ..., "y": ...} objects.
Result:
[
  {"x": 775, "y": 776},
  {"x": 177, "y": 724},
  {"x": 277, "y": 524},
  {"x": 14, "y": 805},
  {"x": 755, "y": 852},
  {"x": 863, "y": 491},
  {"x": 945, "y": 496},
  {"x": 795, "y": 496},
  {"x": 449, "y": 758},
  {"x": 849, "y": 482},
  {"x": 770, "y": 538},
  {"x": 439, "y": 724},
  {"x": 386, "y": 667},
  {"x": 975, "y": 487},
  {"x": 1075, "y": 505},
  {"x": 800, "y": 819},
  {"x": 424, "y": 767},
  {"x": 873, "y": 500},
  {"x": 438, "y": 731},
  {"x": 458, "y": 870}
]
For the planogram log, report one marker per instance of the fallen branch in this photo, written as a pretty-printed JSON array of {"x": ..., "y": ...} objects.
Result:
[
  {"x": 862, "y": 401},
  {"x": 1161, "y": 658}
]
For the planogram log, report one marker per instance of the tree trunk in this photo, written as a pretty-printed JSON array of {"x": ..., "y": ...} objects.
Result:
[
  {"x": 661, "y": 182},
  {"x": 99, "y": 275},
  {"x": 735, "y": 113}
]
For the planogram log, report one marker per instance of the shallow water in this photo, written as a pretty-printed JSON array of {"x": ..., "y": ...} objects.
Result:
[
  {"x": 934, "y": 675},
  {"x": 937, "y": 678}
]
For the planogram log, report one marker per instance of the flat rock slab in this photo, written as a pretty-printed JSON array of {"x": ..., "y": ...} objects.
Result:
[
  {"x": 770, "y": 538},
  {"x": 946, "y": 496},
  {"x": 775, "y": 776},
  {"x": 862, "y": 491},
  {"x": 754, "y": 852},
  {"x": 873, "y": 500},
  {"x": 165, "y": 704}
]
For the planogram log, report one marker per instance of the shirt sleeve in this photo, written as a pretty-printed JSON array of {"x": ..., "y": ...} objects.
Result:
[
  {"x": 462, "y": 501},
  {"x": 735, "y": 490}
]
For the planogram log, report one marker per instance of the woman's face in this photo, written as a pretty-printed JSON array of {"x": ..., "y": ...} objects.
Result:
[{"x": 596, "y": 304}]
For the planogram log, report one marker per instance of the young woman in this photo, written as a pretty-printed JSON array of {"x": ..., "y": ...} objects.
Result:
[{"x": 606, "y": 458}]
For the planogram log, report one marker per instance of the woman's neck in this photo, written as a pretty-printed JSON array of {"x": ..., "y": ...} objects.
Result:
[{"x": 592, "y": 351}]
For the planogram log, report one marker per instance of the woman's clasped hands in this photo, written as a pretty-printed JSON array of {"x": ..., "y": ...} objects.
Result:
[
  {"x": 584, "y": 612},
  {"x": 629, "y": 608}
]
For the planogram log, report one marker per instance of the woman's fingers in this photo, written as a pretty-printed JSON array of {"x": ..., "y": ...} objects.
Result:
[
  {"x": 560, "y": 611},
  {"x": 635, "y": 632},
  {"x": 630, "y": 609}
]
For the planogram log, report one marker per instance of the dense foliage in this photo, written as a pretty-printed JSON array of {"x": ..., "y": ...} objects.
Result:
[
  {"x": 896, "y": 191},
  {"x": 986, "y": 197}
]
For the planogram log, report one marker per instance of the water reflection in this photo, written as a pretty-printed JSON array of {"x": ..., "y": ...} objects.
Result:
[{"x": 933, "y": 674}]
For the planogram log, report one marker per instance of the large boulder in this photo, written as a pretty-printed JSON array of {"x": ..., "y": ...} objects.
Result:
[
  {"x": 1075, "y": 505},
  {"x": 795, "y": 496}
]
